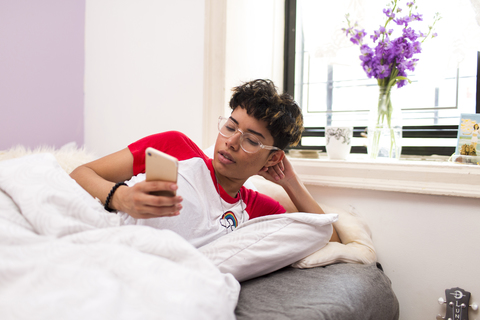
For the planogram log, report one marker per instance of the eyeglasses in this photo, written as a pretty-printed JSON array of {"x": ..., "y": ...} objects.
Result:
[{"x": 248, "y": 141}]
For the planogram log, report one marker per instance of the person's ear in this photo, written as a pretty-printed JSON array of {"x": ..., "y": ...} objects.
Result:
[{"x": 274, "y": 158}]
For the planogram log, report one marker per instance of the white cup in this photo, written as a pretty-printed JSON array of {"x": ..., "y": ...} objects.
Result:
[{"x": 338, "y": 142}]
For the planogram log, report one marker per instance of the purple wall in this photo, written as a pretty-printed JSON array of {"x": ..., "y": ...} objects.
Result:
[{"x": 41, "y": 72}]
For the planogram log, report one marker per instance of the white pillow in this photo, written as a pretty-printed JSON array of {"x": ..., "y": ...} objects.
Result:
[
  {"x": 356, "y": 247},
  {"x": 68, "y": 156},
  {"x": 263, "y": 245}
]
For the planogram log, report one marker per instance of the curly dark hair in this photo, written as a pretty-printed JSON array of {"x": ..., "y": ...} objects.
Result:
[{"x": 281, "y": 113}]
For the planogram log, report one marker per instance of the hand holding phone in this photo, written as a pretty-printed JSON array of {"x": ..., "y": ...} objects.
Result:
[{"x": 160, "y": 166}]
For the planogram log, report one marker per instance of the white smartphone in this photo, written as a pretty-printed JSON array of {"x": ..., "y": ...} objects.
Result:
[{"x": 161, "y": 166}]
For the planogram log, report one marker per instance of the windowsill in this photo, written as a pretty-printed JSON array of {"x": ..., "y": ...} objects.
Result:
[{"x": 410, "y": 176}]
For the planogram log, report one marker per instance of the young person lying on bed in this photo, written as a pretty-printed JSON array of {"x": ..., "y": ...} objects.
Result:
[{"x": 211, "y": 199}]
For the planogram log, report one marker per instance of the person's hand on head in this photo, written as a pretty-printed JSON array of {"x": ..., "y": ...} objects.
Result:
[{"x": 279, "y": 173}]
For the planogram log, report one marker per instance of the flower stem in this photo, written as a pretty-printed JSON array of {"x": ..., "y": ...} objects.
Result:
[{"x": 384, "y": 118}]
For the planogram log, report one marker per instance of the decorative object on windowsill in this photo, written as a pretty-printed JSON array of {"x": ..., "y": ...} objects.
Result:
[
  {"x": 469, "y": 160},
  {"x": 338, "y": 142},
  {"x": 467, "y": 137},
  {"x": 388, "y": 62},
  {"x": 467, "y": 150}
]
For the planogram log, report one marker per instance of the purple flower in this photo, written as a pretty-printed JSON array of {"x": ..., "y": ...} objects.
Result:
[
  {"x": 366, "y": 53},
  {"x": 383, "y": 71},
  {"x": 368, "y": 68},
  {"x": 403, "y": 21},
  {"x": 417, "y": 47},
  {"x": 388, "y": 12},
  {"x": 417, "y": 17},
  {"x": 358, "y": 36},
  {"x": 366, "y": 50},
  {"x": 383, "y": 46},
  {"x": 411, "y": 64},
  {"x": 410, "y": 34},
  {"x": 407, "y": 65},
  {"x": 347, "y": 30},
  {"x": 390, "y": 58}
]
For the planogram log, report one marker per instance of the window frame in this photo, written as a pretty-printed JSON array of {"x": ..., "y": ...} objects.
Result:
[{"x": 427, "y": 131}]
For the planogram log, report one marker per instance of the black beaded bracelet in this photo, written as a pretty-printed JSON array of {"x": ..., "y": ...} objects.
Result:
[{"x": 109, "y": 197}]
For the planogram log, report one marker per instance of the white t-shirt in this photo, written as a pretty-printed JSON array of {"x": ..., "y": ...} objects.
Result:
[{"x": 208, "y": 211}]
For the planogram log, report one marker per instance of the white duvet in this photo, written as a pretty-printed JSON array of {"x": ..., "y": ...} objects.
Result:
[{"x": 63, "y": 257}]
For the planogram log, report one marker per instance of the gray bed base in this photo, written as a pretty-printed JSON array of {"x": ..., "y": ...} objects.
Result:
[{"x": 340, "y": 291}]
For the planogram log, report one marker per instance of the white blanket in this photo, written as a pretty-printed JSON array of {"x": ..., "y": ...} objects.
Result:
[{"x": 63, "y": 257}]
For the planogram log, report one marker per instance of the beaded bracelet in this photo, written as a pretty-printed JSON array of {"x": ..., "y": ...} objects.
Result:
[{"x": 109, "y": 197}]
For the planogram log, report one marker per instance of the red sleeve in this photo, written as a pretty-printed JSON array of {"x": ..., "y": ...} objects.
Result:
[
  {"x": 173, "y": 143},
  {"x": 259, "y": 205}
]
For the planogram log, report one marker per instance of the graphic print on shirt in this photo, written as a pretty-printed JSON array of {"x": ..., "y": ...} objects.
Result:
[{"x": 229, "y": 221}]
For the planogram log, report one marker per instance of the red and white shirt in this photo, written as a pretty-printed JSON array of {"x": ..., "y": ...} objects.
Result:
[{"x": 208, "y": 211}]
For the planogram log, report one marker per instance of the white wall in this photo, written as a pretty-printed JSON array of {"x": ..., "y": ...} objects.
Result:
[
  {"x": 425, "y": 243},
  {"x": 143, "y": 70},
  {"x": 245, "y": 42},
  {"x": 254, "y": 44}
]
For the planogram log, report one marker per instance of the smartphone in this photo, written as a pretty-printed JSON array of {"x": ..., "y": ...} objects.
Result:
[{"x": 161, "y": 166}]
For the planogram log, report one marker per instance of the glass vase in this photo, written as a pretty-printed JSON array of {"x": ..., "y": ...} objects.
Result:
[{"x": 385, "y": 128}]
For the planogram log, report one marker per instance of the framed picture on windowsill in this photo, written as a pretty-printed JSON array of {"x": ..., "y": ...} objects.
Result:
[{"x": 468, "y": 132}]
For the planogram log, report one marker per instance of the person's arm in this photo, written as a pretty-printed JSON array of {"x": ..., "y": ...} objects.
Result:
[
  {"x": 98, "y": 178},
  {"x": 284, "y": 175}
]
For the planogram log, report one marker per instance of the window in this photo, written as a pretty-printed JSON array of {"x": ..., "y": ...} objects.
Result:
[{"x": 330, "y": 91}]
